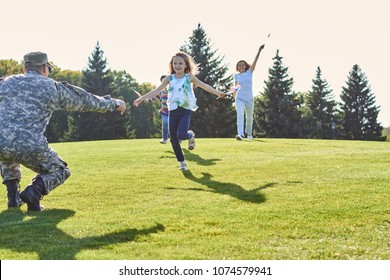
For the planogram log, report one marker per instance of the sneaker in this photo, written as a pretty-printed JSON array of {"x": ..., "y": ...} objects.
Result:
[
  {"x": 239, "y": 137},
  {"x": 250, "y": 137},
  {"x": 183, "y": 165},
  {"x": 191, "y": 141},
  {"x": 163, "y": 141}
]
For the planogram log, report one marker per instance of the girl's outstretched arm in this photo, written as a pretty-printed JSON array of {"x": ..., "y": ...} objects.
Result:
[
  {"x": 205, "y": 86},
  {"x": 253, "y": 66},
  {"x": 136, "y": 92},
  {"x": 152, "y": 93}
]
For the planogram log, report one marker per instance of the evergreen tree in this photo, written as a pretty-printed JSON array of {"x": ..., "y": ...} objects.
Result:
[
  {"x": 214, "y": 117},
  {"x": 96, "y": 78},
  {"x": 358, "y": 108},
  {"x": 277, "y": 109},
  {"x": 321, "y": 109},
  {"x": 93, "y": 125}
]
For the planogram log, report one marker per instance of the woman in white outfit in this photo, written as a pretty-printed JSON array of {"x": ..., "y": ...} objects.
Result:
[{"x": 243, "y": 95}]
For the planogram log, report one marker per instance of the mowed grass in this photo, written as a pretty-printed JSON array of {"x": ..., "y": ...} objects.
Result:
[{"x": 263, "y": 199}]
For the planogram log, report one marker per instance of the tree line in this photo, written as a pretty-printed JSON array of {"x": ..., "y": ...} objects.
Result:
[{"x": 279, "y": 111}]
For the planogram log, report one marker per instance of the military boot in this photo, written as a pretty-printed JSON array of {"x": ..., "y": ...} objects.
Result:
[
  {"x": 13, "y": 193},
  {"x": 32, "y": 194}
]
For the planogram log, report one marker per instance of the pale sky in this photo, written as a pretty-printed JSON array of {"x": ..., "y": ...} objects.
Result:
[{"x": 141, "y": 36}]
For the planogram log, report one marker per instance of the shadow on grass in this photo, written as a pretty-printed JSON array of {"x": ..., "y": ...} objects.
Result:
[
  {"x": 258, "y": 140},
  {"x": 233, "y": 190},
  {"x": 190, "y": 156},
  {"x": 171, "y": 155},
  {"x": 38, "y": 233},
  {"x": 194, "y": 158}
]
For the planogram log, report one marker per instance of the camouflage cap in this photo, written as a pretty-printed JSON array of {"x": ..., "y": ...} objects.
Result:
[{"x": 36, "y": 59}]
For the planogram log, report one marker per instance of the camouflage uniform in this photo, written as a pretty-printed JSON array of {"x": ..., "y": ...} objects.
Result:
[{"x": 27, "y": 102}]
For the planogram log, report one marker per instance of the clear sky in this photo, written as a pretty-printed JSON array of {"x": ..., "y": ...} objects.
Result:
[{"x": 141, "y": 36}]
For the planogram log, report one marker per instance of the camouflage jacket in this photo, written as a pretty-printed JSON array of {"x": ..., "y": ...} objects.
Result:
[{"x": 27, "y": 102}]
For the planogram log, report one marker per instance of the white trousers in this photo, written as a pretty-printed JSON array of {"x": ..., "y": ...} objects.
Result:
[{"x": 244, "y": 108}]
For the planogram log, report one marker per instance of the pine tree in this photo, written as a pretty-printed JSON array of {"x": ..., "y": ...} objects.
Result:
[
  {"x": 92, "y": 125},
  {"x": 358, "y": 107},
  {"x": 214, "y": 117},
  {"x": 277, "y": 111},
  {"x": 96, "y": 78},
  {"x": 321, "y": 109}
]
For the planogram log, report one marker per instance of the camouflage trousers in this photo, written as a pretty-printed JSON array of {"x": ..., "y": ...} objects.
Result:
[{"x": 39, "y": 158}]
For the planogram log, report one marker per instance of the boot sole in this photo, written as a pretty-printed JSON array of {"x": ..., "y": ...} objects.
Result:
[{"x": 16, "y": 205}]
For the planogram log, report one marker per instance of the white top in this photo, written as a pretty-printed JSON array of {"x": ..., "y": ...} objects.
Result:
[
  {"x": 181, "y": 94},
  {"x": 244, "y": 93}
]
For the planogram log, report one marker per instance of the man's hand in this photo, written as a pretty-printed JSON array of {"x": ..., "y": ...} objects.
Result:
[{"x": 120, "y": 106}]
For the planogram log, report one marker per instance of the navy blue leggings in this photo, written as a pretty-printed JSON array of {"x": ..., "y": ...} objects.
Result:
[{"x": 179, "y": 123}]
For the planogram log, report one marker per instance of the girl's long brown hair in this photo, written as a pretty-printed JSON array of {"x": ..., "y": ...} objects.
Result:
[{"x": 191, "y": 66}]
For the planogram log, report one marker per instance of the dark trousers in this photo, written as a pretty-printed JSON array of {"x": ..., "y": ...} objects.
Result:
[{"x": 179, "y": 123}]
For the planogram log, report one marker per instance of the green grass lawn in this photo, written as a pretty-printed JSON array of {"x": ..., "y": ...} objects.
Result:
[{"x": 262, "y": 199}]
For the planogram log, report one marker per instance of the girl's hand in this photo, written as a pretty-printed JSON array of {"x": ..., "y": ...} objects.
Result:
[
  {"x": 221, "y": 95},
  {"x": 137, "y": 93},
  {"x": 137, "y": 101}
]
